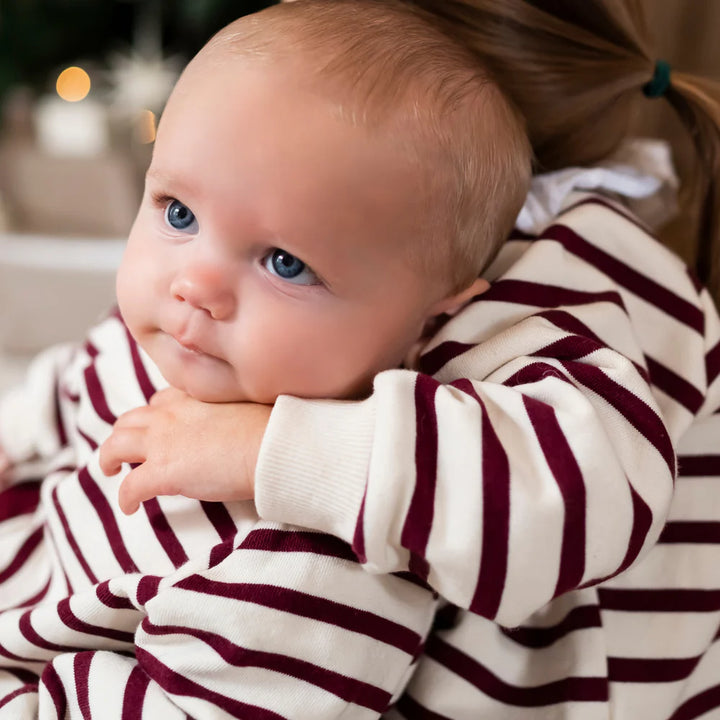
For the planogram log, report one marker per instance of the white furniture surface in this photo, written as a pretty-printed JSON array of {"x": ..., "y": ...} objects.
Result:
[{"x": 51, "y": 290}]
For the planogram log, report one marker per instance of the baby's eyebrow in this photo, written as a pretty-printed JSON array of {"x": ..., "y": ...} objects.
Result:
[
  {"x": 172, "y": 182},
  {"x": 158, "y": 176}
]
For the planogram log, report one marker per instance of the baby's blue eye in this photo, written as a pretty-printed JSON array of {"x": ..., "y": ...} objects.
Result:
[
  {"x": 180, "y": 217},
  {"x": 287, "y": 267}
]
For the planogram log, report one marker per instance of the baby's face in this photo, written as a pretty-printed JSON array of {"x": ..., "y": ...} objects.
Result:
[{"x": 269, "y": 255}]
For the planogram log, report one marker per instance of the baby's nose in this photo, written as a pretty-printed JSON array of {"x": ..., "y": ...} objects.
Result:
[{"x": 205, "y": 288}]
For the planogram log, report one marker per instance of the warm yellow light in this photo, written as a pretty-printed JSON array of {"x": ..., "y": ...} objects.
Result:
[
  {"x": 73, "y": 84},
  {"x": 146, "y": 127}
]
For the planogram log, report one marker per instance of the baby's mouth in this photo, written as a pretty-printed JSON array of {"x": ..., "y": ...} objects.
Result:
[{"x": 190, "y": 346}]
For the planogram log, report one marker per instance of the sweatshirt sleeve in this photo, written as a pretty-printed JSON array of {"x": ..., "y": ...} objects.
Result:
[
  {"x": 31, "y": 427},
  {"x": 528, "y": 457}
]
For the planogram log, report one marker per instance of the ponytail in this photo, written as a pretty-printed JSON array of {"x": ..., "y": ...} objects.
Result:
[
  {"x": 577, "y": 72},
  {"x": 697, "y": 103}
]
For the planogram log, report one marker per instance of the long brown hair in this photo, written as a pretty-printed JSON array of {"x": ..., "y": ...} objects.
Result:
[{"x": 576, "y": 70}]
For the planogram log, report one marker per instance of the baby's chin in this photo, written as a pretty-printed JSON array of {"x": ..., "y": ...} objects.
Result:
[{"x": 210, "y": 387}]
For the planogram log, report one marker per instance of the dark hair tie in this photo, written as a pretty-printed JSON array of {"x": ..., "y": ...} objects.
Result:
[{"x": 660, "y": 82}]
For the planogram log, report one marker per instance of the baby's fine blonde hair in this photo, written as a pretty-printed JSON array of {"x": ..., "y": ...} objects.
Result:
[{"x": 394, "y": 70}]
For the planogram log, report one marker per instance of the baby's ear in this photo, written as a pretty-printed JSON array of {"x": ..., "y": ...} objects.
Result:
[{"x": 452, "y": 303}]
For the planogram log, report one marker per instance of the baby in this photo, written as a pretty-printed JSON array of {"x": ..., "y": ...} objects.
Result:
[{"x": 328, "y": 180}]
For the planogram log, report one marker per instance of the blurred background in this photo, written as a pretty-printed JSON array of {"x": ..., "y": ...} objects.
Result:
[{"x": 82, "y": 83}]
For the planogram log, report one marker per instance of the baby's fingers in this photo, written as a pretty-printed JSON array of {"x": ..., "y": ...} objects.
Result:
[
  {"x": 138, "y": 417},
  {"x": 167, "y": 396},
  {"x": 123, "y": 445},
  {"x": 141, "y": 484}
]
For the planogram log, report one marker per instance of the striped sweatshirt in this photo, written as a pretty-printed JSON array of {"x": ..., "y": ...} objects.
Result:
[
  {"x": 528, "y": 475},
  {"x": 525, "y": 470}
]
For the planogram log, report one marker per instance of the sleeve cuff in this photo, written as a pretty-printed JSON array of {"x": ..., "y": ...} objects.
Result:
[{"x": 313, "y": 464}]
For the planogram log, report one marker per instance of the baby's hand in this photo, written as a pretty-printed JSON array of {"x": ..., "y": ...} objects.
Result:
[{"x": 186, "y": 447}]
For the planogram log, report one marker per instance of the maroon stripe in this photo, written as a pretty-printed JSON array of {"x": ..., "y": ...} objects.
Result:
[
  {"x": 411, "y": 709},
  {"x": 579, "y": 618},
  {"x": 568, "y": 689},
  {"x": 91, "y": 350},
  {"x": 691, "y": 532},
  {"x": 36, "y": 598},
  {"x": 674, "y": 385},
  {"x": 51, "y": 680},
  {"x": 347, "y": 688},
  {"x": 712, "y": 364},
  {"x": 698, "y": 465},
  {"x": 642, "y": 521},
  {"x": 164, "y": 533},
  {"x": 109, "y": 599},
  {"x": 572, "y": 347},
  {"x": 64, "y": 393},
  {"x": 659, "y": 600},
  {"x": 221, "y": 520},
  {"x": 143, "y": 379},
  {"x": 134, "y": 697},
  {"x": 97, "y": 395},
  {"x": 496, "y": 514},
  {"x": 20, "y": 499},
  {"x": 60, "y": 513},
  {"x": 629, "y": 278},
  {"x": 523, "y": 292},
  {"x": 147, "y": 588},
  {"x": 419, "y": 566},
  {"x": 569, "y": 479},
  {"x": 12, "y": 656},
  {"x": 220, "y": 552},
  {"x": 20, "y": 691},
  {"x": 32, "y": 636},
  {"x": 695, "y": 280},
  {"x": 68, "y": 617},
  {"x": 416, "y": 529},
  {"x": 24, "y": 676},
  {"x": 92, "y": 444},
  {"x": 358, "y": 544},
  {"x": 59, "y": 424},
  {"x": 81, "y": 670},
  {"x": 650, "y": 670},
  {"x": 637, "y": 413},
  {"x": 535, "y": 372},
  {"x": 107, "y": 518},
  {"x": 698, "y": 705},
  {"x": 519, "y": 235},
  {"x": 571, "y": 324},
  {"x": 22, "y": 555},
  {"x": 431, "y": 362},
  {"x": 310, "y": 606},
  {"x": 177, "y": 684},
  {"x": 297, "y": 541},
  {"x": 446, "y": 618}
]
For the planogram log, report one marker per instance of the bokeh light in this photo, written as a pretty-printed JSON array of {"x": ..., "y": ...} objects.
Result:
[
  {"x": 73, "y": 84},
  {"x": 146, "y": 127}
]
